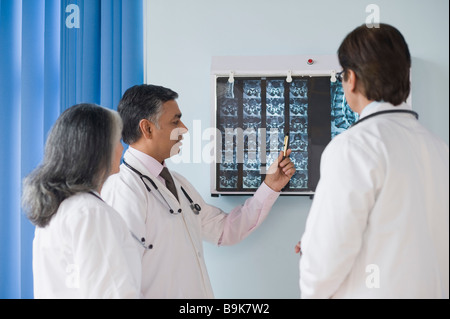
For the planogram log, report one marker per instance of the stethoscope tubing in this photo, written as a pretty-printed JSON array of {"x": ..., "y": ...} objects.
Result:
[
  {"x": 386, "y": 112},
  {"x": 196, "y": 208}
]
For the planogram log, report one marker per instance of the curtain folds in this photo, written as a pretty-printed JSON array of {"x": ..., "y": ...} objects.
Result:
[
  {"x": 46, "y": 67},
  {"x": 105, "y": 53}
]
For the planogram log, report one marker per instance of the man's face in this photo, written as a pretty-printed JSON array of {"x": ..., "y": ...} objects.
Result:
[{"x": 169, "y": 134}]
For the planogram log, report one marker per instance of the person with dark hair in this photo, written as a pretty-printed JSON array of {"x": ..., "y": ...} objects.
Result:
[
  {"x": 82, "y": 247},
  {"x": 164, "y": 209},
  {"x": 379, "y": 223}
]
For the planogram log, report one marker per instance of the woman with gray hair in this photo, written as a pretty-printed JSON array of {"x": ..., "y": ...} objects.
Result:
[{"x": 82, "y": 247}]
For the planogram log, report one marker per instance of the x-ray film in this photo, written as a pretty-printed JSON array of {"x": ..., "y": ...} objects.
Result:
[
  {"x": 255, "y": 114},
  {"x": 342, "y": 116}
]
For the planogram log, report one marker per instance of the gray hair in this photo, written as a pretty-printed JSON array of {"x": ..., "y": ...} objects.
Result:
[{"x": 77, "y": 159}]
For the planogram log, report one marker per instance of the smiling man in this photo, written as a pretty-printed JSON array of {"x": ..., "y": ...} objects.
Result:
[{"x": 163, "y": 210}]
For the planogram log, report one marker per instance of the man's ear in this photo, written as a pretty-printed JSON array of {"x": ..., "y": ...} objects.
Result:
[
  {"x": 146, "y": 128},
  {"x": 351, "y": 80}
]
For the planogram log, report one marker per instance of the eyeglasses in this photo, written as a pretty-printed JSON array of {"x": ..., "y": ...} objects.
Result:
[{"x": 340, "y": 76}]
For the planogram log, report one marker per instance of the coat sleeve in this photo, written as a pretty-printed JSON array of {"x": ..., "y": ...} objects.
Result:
[
  {"x": 345, "y": 195},
  {"x": 102, "y": 264}
]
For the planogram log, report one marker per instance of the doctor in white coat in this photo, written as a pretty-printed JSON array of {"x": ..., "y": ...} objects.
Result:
[
  {"x": 82, "y": 247},
  {"x": 164, "y": 210},
  {"x": 379, "y": 223}
]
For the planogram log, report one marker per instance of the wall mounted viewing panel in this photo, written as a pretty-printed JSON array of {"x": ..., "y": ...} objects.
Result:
[{"x": 257, "y": 101}]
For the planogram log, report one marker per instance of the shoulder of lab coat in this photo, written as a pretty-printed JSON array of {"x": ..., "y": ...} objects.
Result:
[
  {"x": 350, "y": 180},
  {"x": 99, "y": 238}
]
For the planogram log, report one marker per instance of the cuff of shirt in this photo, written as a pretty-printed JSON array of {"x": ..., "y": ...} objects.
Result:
[{"x": 266, "y": 195}]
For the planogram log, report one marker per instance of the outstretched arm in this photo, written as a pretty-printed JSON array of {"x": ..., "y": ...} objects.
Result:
[{"x": 244, "y": 219}]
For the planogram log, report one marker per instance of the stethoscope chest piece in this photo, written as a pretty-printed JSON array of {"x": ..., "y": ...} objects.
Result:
[{"x": 196, "y": 208}]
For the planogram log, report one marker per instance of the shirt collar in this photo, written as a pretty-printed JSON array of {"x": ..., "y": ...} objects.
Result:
[{"x": 152, "y": 165}]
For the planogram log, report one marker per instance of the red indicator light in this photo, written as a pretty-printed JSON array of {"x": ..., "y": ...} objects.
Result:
[{"x": 310, "y": 61}]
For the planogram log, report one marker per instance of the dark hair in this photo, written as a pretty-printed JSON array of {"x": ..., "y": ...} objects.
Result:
[
  {"x": 78, "y": 156},
  {"x": 142, "y": 102},
  {"x": 381, "y": 61}
]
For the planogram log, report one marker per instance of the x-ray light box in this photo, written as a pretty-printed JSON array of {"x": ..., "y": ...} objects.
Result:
[{"x": 257, "y": 101}]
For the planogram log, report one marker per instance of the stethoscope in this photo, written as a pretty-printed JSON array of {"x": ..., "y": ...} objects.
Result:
[
  {"x": 386, "y": 112},
  {"x": 195, "y": 207}
]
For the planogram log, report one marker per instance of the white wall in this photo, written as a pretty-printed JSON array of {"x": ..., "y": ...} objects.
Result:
[{"x": 182, "y": 37}]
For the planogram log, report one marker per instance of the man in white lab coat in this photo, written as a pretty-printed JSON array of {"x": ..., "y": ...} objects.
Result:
[
  {"x": 164, "y": 210},
  {"x": 379, "y": 223}
]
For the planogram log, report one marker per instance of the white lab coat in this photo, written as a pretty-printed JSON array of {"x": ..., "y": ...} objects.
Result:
[
  {"x": 86, "y": 251},
  {"x": 175, "y": 266},
  {"x": 379, "y": 223}
]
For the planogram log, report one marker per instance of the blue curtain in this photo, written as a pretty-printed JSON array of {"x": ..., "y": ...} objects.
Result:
[
  {"x": 46, "y": 67},
  {"x": 104, "y": 57}
]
